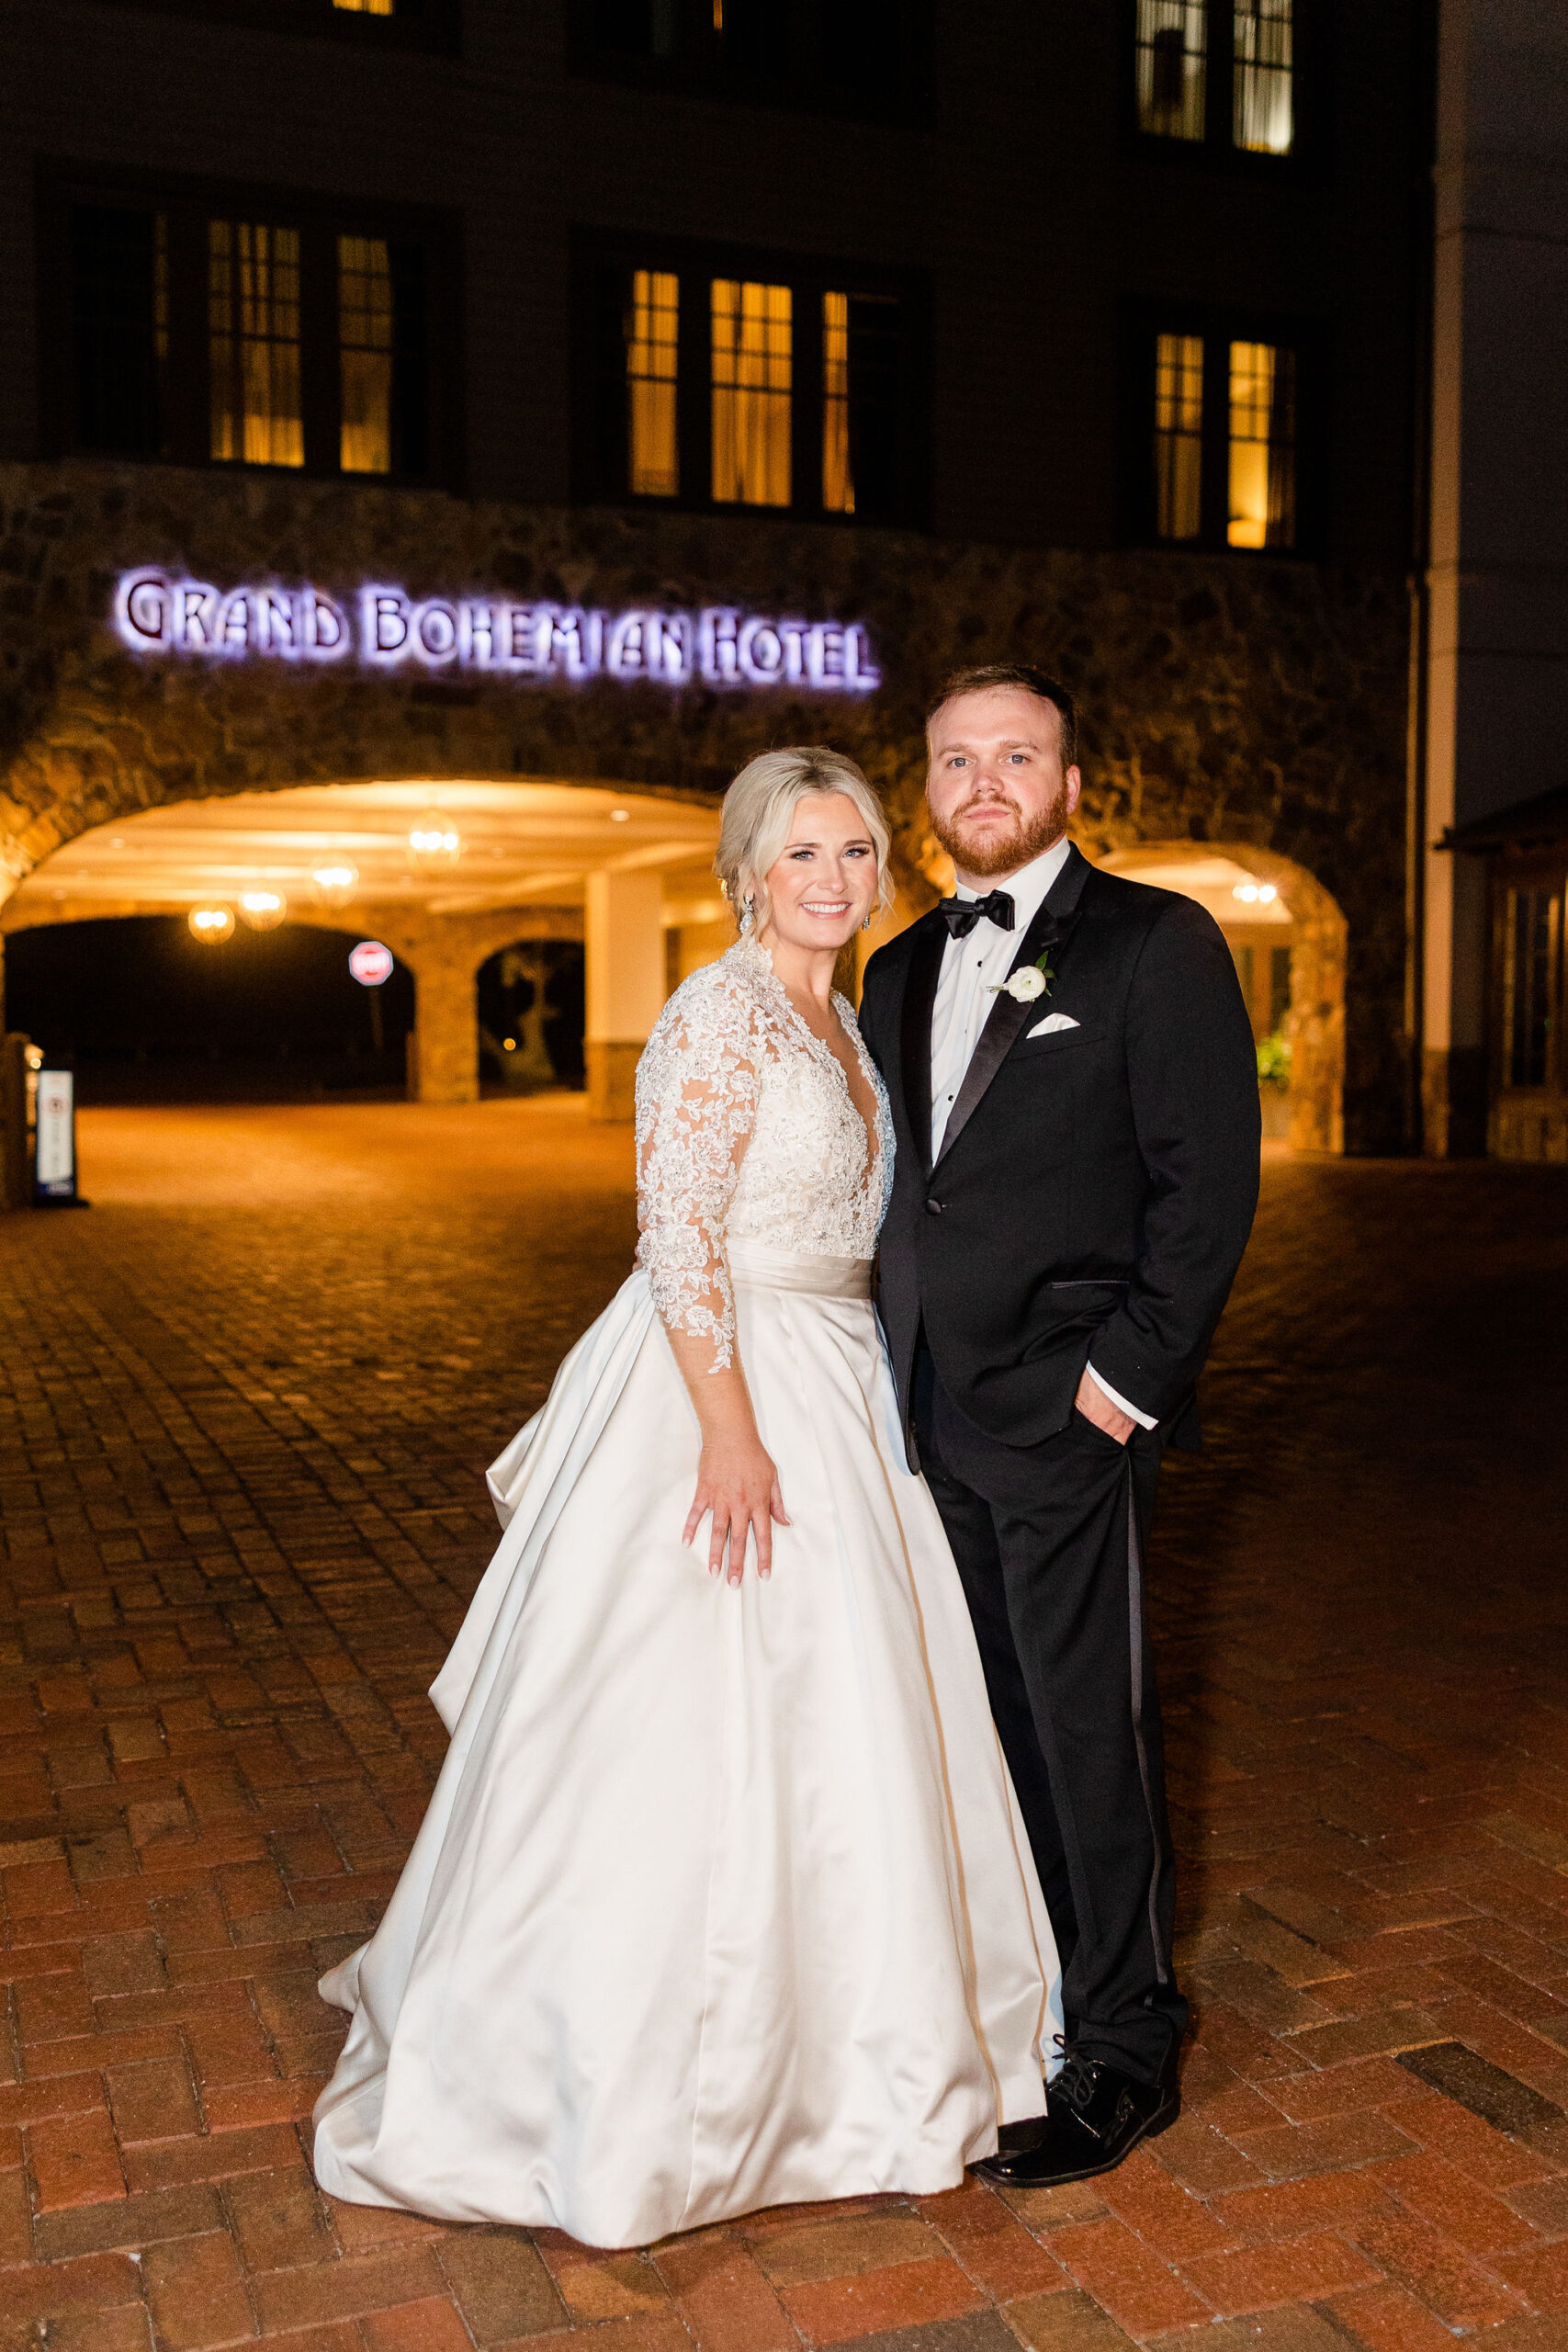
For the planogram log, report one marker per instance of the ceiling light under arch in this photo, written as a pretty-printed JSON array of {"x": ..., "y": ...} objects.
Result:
[
  {"x": 434, "y": 845},
  {"x": 335, "y": 882}
]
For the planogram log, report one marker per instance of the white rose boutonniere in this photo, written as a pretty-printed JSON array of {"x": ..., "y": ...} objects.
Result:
[{"x": 1030, "y": 981}]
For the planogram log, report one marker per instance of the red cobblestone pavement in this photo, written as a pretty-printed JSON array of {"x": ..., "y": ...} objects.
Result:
[{"x": 247, "y": 1401}]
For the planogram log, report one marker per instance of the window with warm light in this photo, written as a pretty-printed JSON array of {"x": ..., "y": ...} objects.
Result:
[
  {"x": 1262, "y": 70},
  {"x": 252, "y": 290},
  {"x": 837, "y": 473},
  {"x": 1179, "y": 436},
  {"x": 274, "y": 333},
  {"x": 364, "y": 345},
  {"x": 1171, "y": 63},
  {"x": 862, "y": 342},
  {"x": 1220, "y": 73},
  {"x": 1220, "y": 467},
  {"x": 740, "y": 388},
  {"x": 366, "y": 7},
  {"x": 1262, "y": 510},
  {"x": 652, "y": 340},
  {"x": 752, "y": 381}
]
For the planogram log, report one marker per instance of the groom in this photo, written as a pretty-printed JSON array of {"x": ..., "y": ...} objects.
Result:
[{"x": 1074, "y": 1093}]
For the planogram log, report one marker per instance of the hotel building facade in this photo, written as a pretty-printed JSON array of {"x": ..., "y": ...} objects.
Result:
[{"x": 494, "y": 420}]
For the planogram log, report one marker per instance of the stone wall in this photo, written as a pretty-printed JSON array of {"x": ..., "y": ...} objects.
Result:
[{"x": 1257, "y": 703}]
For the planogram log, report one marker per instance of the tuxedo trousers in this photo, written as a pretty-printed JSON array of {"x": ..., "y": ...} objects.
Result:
[{"x": 1049, "y": 1541}]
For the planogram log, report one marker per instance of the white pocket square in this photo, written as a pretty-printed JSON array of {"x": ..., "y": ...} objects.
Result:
[{"x": 1051, "y": 1022}]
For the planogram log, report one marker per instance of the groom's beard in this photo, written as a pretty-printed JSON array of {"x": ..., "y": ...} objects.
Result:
[{"x": 999, "y": 850}]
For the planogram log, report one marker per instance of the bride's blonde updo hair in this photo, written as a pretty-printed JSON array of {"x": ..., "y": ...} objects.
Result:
[{"x": 759, "y": 816}]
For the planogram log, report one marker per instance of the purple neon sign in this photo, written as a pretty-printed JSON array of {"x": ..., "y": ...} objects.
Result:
[{"x": 386, "y": 628}]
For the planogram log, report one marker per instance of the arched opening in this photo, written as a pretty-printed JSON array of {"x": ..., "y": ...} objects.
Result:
[
  {"x": 144, "y": 1012},
  {"x": 532, "y": 1007},
  {"x": 1287, "y": 936},
  {"x": 597, "y": 893}
]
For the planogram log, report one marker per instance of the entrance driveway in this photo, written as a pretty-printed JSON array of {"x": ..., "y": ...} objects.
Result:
[{"x": 247, "y": 1401}]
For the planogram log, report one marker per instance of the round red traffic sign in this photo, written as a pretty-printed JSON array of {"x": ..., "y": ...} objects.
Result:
[{"x": 370, "y": 963}]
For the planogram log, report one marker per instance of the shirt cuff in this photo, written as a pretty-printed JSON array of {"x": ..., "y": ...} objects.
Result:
[{"x": 1143, "y": 1420}]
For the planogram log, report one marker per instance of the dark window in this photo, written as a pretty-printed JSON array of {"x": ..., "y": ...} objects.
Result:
[
  {"x": 119, "y": 328},
  {"x": 1220, "y": 455},
  {"x": 251, "y": 332},
  {"x": 1530, "y": 952},
  {"x": 724, "y": 387},
  {"x": 1217, "y": 74},
  {"x": 377, "y": 24},
  {"x": 856, "y": 57}
]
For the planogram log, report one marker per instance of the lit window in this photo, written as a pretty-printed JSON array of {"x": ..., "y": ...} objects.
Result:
[
  {"x": 366, "y": 7},
  {"x": 1529, "y": 955},
  {"x": 1217, "y": 70},
  {"x": 119, "y": 323},
  {"x": 838, "y": 481},
  {"x": 1171, "y": 61},
  {"x": 365, "y": 347},
  {"x": 1179, "y": 436},
  {"x": 1262, "y": 510},
  {"x": 751, "y": 378},
  {"x": 653, "y": 457},
  {"x": 861, "y": 366},
  {"x": 252, "y": 288},
  {"x": 1261, "y": 97}
]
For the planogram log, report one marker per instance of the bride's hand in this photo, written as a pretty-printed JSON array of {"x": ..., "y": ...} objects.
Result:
[{"x": 738, "y": 1484}]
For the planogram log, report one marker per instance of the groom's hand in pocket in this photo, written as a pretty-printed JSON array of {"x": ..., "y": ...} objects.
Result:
[{"x": 1095, "y": 1406}]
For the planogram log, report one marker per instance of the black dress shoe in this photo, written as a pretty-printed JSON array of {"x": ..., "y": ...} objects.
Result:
[{"x": 1096, "y": 2115}]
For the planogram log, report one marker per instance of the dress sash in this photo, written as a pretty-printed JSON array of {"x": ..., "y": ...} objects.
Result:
[{"x": 757, "y": 1266}]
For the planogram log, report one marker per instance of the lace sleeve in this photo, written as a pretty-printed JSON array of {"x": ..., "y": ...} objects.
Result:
[{"x": 697, "y": 1085}]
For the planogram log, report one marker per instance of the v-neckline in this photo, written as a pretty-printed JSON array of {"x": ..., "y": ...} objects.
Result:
[{"x": 870, "y": 1128}]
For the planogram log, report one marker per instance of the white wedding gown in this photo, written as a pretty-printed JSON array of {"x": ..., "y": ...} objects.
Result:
[{"x": 723, "y": 1899}]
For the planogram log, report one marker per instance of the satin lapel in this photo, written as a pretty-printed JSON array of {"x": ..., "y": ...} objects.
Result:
[
  {"x": 1051, "y": 927},
  {"x": 915, "y": 1031}
]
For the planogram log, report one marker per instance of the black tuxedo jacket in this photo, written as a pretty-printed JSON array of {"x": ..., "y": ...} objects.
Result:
[{"x": 1096, "y": 1186}]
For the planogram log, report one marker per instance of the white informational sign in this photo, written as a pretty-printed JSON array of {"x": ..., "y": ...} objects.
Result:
[
  {"x": 384, "y": 626},
  {"x": 54, "y": 1156},
  {"x": 370, "y": 963}
]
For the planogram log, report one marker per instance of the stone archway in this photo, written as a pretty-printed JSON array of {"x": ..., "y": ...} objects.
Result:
[
  {"x": 1315, "y": 1024},
  {"x": 538, "y": 860}
]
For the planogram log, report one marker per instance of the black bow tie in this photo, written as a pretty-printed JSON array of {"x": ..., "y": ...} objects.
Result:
[{"x": 960, "y": 915}]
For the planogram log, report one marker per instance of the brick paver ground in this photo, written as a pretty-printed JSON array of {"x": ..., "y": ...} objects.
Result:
[{"x": 248, "y": 1399}]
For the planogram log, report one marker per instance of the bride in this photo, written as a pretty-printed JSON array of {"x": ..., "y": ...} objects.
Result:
[{"x": 723, "y": 1899}]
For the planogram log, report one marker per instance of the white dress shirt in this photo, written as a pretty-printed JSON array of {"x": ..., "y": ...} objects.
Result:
[{"x": 972, "y": 971}]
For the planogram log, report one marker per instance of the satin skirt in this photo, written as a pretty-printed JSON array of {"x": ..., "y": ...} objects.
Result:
[{"x": 723, "y": 1898}]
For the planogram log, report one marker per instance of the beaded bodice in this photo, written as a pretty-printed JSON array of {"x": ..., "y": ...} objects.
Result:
[{"x": 746, "y": 1127}]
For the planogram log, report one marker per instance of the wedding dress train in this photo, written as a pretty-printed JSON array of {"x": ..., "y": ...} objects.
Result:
[{"x": 723, "y": 1898}]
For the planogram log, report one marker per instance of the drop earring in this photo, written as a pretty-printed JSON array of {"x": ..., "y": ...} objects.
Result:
[{"x": 748, "y": 916}]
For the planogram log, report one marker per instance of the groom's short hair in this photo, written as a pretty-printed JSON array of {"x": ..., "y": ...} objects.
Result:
[{"x": 975, "y": 681}]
